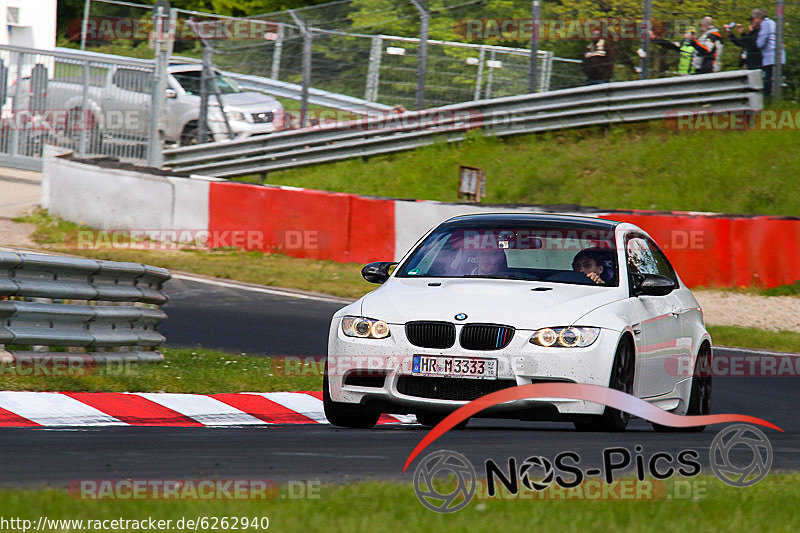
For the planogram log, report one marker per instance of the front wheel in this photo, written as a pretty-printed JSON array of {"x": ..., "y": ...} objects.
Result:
[
  {"x": 343, "y": 414},
  {"x": 613, "y": 420},
  {"x": 700, "y": 395}
]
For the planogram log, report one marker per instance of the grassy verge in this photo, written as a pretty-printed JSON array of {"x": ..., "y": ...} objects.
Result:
[
  {"x": 782, "y": 341},
  {"x": 769, "y": 505},
  {"x": 339, "y": 279},
  {"x": 189, "y": 370},
  {"x": 645, "y": 166}
]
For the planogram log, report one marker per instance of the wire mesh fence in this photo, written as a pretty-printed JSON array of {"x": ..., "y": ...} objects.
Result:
[{"x": 93, "y": 107}]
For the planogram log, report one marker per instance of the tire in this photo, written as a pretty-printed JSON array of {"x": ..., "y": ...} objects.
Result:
[
  {"x": 621, "y": 379},
  {"x": 189, "y": 135},
  {"x": 700, "y": 395},
  {"x": 343, "y": 414},
  {"x": 432, "y": 418}
]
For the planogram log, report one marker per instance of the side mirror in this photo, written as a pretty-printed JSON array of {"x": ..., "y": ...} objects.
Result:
[
  {"x": 377, "y": 272},
  {"x": 653, "y": 285},
  {"x": 171, "y": 93}
]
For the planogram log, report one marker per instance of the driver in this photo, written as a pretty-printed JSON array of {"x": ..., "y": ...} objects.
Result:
[
  {"x": 490, "y": 263},
  {"x": 589, "y": 262}
]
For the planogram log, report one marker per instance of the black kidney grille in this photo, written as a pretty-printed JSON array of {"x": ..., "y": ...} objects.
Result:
[
  {"x": 486, "y": 336},
  {"x": 431, "y": 334},
  {"x": 456, "y": 389}
]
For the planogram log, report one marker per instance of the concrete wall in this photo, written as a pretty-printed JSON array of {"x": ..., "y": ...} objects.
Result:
[{"x": 107, "y": 198}]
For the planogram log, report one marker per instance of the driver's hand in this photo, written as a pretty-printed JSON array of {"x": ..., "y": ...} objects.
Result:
[{"x": 594, "y": 277}]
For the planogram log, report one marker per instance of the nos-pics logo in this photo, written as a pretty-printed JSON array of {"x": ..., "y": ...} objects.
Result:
[{"x": 433, "y": 476}]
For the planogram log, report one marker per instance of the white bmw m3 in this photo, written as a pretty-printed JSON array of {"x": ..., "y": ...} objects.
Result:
[{"x": 486, "y": 302}]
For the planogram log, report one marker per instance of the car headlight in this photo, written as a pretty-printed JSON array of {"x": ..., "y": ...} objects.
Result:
[
  {"x": 364, "y": 328},
  {"x": 235, "y": 115},
  {"x": 565, "y": 337}
]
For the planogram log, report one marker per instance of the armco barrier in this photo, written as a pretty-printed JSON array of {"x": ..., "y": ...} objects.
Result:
[
  {"x": 610, "y": 103},
  {"x": 104, "y": 309}
]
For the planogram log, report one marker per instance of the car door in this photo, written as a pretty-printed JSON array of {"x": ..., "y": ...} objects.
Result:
[
  {"x": 127, "y": 103},
  {"x": 659, "y": 328}
]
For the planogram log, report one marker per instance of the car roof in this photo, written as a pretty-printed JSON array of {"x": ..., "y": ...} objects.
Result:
[{"x": 530, "y": 219}]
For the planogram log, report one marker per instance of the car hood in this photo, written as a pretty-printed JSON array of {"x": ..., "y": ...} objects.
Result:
[
  {"x": 249, "y": 101},
  {"x": 507, "y": 302}
]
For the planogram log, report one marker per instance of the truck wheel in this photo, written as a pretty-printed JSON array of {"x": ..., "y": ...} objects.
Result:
[{"x": 189, "y": 134}]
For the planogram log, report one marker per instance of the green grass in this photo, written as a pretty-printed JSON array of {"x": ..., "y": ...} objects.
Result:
[
  {"x": 189, "y": 370},
  {"x": 644, "y": 166},
  {"x": 769, "y": 505},
  {"x": 328, "y": 277},
  {"x": 783, "y": 341}
]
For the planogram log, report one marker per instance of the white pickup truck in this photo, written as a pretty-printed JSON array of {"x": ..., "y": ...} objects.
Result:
[{"x": 119, "y": 104}]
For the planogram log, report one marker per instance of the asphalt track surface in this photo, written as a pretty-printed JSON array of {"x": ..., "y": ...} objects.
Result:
[{"x": 252, "y": 322}]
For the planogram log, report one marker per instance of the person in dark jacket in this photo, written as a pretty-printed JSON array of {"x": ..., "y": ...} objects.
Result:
[
  {"x": 685, "y": 49},
  {"x": 751, "y": 53},
  {"x": 598, "y": 60}
]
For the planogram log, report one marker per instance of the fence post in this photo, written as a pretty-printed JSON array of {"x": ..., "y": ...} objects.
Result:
[
  {"x": 161, "y": 13},
  {"x": 479, "y": 80},
  {"x": 84, "y": 110},
  {"x": 85, "y": 23},
  {"x": 205, "y": 74},
  {"x": 374, "y": 69},
  {"x": 276, "y": 54},
  {"x": 777, "y": 83},
  {"x": 490, "y": 76},
  {"x": 647, "y": 15},
  {"x": 307, "y": 49},
  {"x": 422, "y": 57},
  {"x": 533, "y": 71},
  {"x": 14, "y": 148}
]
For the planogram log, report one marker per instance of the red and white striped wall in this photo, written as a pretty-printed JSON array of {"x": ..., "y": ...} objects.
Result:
[
  {"x": 707, "y": 249},
  {"x": 48, "y": 409}
]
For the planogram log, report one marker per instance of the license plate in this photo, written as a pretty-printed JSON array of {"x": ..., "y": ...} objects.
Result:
[{"x": 454, "y": 367}]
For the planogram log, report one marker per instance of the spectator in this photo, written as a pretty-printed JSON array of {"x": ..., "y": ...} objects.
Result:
[
  {"x": 598, "y": 60},
  {"x": 708, "y": 48},
  {"x": 766, "y": 43},
  {"x": 685, "y": 49},
  {"x": 751, "y": 53}
]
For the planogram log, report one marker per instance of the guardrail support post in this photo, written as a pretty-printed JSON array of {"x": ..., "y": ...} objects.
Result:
[{"x": 422, "y": 57}]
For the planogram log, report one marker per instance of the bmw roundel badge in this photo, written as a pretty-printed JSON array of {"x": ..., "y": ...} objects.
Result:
[{"x": 461, "y": 316}]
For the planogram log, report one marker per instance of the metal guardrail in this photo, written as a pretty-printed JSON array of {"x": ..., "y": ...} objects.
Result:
[
  {"x": 529, "y": 113},
  {"x": 99, "y": 310}
]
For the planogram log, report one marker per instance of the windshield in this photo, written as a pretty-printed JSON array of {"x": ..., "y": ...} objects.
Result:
[
  {"x": 562, "y": 255},
  {"x": 190, "y": 81}
]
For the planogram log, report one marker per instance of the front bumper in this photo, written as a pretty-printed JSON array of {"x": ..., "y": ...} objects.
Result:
[{"x": 519, "y": 363}]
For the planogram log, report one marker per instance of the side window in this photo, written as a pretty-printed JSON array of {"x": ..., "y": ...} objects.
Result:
[
  {"x": 639, "y": 257},
  {"x": 133, "y": 80},
  {"x": 645, "y": 257},
  {"x": 662, "y": 263}
]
